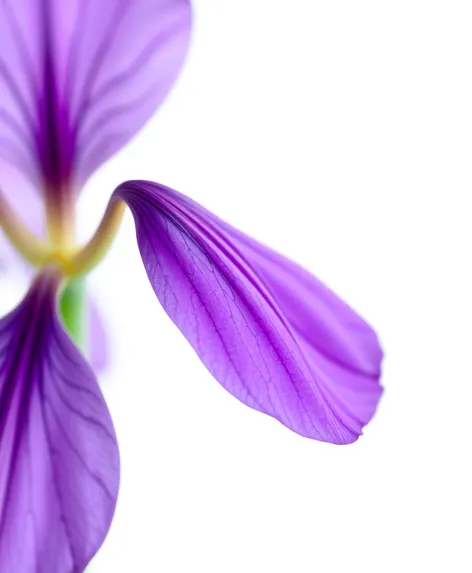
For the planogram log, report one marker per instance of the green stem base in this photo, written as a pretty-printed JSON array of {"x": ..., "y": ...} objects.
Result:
[{"x": 72, "y": 307}]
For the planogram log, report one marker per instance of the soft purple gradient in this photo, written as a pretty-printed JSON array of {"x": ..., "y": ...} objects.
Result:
[
  {"x": 79, "y": 78},
  {"x": 271, "y": 333},
  {"x": 60, "y": 466}
]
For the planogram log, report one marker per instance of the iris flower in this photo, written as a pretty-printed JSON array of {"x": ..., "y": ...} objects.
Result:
[{"x": 78, "y": 79}]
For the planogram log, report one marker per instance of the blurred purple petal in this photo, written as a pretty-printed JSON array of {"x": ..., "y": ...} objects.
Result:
[
  {"x": 60, "y": 468},
  {"x": 79, "y": 78},
  {"x": 28, "y": 205},
  {"x": 98, "y": 350},
  {"x": 272, "y": 334}
]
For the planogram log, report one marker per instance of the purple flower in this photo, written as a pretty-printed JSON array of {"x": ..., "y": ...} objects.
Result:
[{"x": 77, "y": 81}]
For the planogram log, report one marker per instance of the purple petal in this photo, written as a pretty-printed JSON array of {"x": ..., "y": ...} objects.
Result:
[
  {"x": 79, "y": 78},
  {"x": 272, "y": 334},
  {"x": 60, "y": 468}
]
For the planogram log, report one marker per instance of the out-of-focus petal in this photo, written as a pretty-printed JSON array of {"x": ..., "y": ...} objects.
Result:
[
  {"x": 79, "y": 78},
  {"x": 97, "y": 339},
  {"x": 272, "y": 334},
  {"x": 28, "y": 205},
  {"x": 59, "y": 468}
]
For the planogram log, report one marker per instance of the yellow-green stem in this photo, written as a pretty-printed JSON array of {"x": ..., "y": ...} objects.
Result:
[
  {"x": 93, "y": 252},
  {"x": 60, "y": 248}
]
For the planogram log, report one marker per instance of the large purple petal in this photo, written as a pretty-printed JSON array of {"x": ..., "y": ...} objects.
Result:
[
  {"x": 272, "y": 334},
  {"x": 79, "y": 78},
  {"x": 59, "y": 468}
]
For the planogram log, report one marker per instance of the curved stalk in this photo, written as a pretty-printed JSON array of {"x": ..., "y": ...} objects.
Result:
[
  {"x": 59, "y": 248},
  {"x": 86, "y": 258}
]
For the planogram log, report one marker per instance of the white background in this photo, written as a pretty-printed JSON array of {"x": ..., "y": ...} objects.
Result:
[{"x": 340, "y": 133}]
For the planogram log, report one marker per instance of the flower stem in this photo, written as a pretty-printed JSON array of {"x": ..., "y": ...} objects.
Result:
[
  {"x": 93, "y": 252},
  {"x": 72, "y": 308}
]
